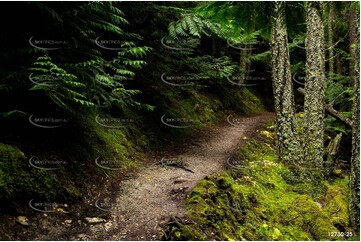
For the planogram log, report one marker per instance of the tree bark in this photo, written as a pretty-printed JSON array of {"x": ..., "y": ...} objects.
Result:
[
  {"x": 288, "y": 142},
  {"x": 333, "y": 112},
  {"x": 355, "y": 158},
  {"x": 332, "y": 151},
  {"x": 330, "y": 38},
  {"x": 244, "y": 63},
  {"x": 314, "y": 87}
]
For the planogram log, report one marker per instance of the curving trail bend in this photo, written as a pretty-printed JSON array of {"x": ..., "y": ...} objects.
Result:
[
  {"x": 155, "y": 193},
  {"x": 158, "y": 193}
]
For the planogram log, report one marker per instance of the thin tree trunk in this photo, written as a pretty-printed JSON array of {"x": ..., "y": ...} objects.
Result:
[
  {"x": 288, "y": 142},
  {"x": 331, "y": 153},
  {"x": 355, "y": 159},
  {"x": 314, "y": 87},
  {"x": 244, "y": 63},
  {"x": 330, "y": 38}
]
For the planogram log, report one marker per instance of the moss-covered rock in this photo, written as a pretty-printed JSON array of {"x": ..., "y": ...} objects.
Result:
[
  {"x": 336, "y": 204},
  {"x": 12, "y": 175},
  {"x": 20, "y": 182}
]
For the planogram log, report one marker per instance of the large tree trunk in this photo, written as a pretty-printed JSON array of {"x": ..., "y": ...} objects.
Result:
[
  {"x": 333, "y": 112},
  {"x": 355, "y": 159},
  {"x": 314, "y": 87},
  {"x": 288, "y": 142}
]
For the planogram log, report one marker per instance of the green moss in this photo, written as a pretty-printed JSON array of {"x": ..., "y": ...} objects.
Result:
[
  {"x": 263, "y": 202},
  {"x": 336, "y": 204},
  {"x": 21, "y": 182},
  {"x": 253, "y": 151},
  {"x": 292, "y": 233},
  {"x": 122, "y": 142},
  {"x": 250, "y": 102},
  {"x": 243, "y": 100},
  {"x": 12, "y": 175}
]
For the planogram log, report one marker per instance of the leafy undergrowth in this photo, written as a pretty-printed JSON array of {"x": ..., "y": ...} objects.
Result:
[{"x": 259, "y": 198}]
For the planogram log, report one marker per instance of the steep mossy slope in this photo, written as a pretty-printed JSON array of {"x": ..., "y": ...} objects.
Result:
[
  {"x": 93, "y": 142},
  {"x": 259, "y": 198}
]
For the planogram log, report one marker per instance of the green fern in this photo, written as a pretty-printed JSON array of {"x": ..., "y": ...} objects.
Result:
[{"x": 82, "y": 76}]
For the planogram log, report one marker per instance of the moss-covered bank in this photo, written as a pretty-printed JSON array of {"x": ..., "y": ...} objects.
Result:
[
  {"x": 92, "y": 142},
  {"x": 259, "y": 198}
]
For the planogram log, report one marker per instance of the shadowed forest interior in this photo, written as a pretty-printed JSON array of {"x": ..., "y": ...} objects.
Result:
[{"x": 129, "y": 120}]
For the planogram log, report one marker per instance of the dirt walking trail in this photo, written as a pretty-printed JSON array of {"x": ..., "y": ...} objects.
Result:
[{"x": 158, "y": 192}]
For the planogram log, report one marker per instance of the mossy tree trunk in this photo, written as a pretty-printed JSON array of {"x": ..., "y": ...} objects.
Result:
[
  {"x": 331, "y": 111},
  {"x": 314, "y": 87},
  {"x": 352, "y": 39},
  {"x": 355, "y": 159},
  {"x": 288, "y": 142},
  {"x": 330, "y": 37}
]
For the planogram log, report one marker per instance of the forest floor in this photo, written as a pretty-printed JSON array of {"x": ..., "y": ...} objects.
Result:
[
  {"x": 139, "y": 204},
  {"x": 158, "y": 192}
]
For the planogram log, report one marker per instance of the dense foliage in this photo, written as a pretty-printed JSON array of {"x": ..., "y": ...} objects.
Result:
[{"x": 87, "y": 81}]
